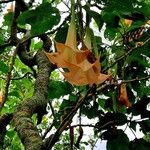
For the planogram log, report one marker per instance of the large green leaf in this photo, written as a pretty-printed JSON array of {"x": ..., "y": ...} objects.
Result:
[
  {"x": 90, "y": 111},
  {"x": 118, "y": 119},
  {"x": 58, "y": 88},
  {"x": 43, "y": 18},
  {"x": 62, "y": 34},
  {"x": 3, "y": 67},
  {"x": 120, "y": 6},
  {"x": 145, "y": 126},
  {"x": 120, "y": 142},
  {"x": 139, "y": 144},
  {"x": 8, "y": 19},
  {"x": 95, "y": 15}
]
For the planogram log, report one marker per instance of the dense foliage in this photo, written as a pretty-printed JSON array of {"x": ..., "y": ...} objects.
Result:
[{"x": 40, "y": 109}]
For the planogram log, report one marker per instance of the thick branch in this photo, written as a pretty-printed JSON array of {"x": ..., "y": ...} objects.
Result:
[
  {"x": 37, "y": 104},
  {"x": 24, "y": 56}
]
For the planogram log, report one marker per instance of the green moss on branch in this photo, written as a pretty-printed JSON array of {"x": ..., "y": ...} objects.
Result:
[{"x": 22, "y": 117}]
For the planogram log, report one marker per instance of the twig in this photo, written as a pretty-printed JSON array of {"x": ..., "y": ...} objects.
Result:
[
  {"x": 67, "y": 120},
  {"x": 6, "y": 1},
  {"x": 96, "y": 5},
  {"x": 125, "y": 55},
  {"x": 52, "y": 1},
  {"x": 30, "y": 3},
  {"x": 47, "y": 130},
  {"x": 52, "y": 109},
  {"x": 8, "y": 79},
  {"x": 66, "y": 4},
  {"x": 26, "y": 74},
  {"x": 133, "y": 133},
  {"x": 115, "y": 83},
  {"x": 136, "y": 79},
  {"x": 93, "y": 126},
  {"x": 84, "y": 125},
  {"x": 47, "y": 33}
]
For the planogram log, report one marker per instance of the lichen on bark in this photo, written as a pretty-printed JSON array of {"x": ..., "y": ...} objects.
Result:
[{"x": 22, "y": 121}]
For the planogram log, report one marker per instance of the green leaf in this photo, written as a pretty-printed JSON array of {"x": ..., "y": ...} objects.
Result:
[
  {"x": 101, "y": 102},
  {"x": 65, "y": 105},
  {"x": 73, "y": 97},
  {"x": 61, "y": 34},
  {"x": 1, "y": 39},
  {"x": 110, "y": 33},
  {"x": 111, "y": 19},
  {"x": 59, "y": 88},
  {"x": 15, "y": 93},
  {"x": 145, "y": 126},
  {"x": 118, "y": 119},
  {"x": 10, "y": 133},
  {"x": 38, "y": 45},
  {"x": 90, "y": 111},
  {"x": 8, "y": 19},
  {"x": 133, "y": 125},
  {"x": 145, "y": 9},
  {"x": 95, "y": 15},
  {"x": 43, "y": 18},
  {"x": 120, "y": 142},
  {"x": 139, "y": 144},
  {"x": 119, "y": 6},
  {"x": 3, "y": 67}
]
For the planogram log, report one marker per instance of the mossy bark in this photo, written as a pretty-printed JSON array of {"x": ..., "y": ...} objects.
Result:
[{"x": 24, "y": 126}]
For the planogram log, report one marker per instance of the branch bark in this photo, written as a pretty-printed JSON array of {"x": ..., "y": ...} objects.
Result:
[{"x": 27, "y": 132}]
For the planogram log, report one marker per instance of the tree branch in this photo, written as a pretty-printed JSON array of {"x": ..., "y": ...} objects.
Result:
[
  {"x": 136, "y": 79},
  {"x": 8, "y": 79},
  {"x": 116, "y": 83},
  {"x": 125, "y": 55},
  {"x": 47, "y": 33},
  {"x": 48, "y": 130},
  {"x": 6, "y": 1},
  {"x": 37, "y": 104},
  {"x": 66, "y": 121},
  {"x": 94, "y": 126},
  {"x": 26, "y": 74}
]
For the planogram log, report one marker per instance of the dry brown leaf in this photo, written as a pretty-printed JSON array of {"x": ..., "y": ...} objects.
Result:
[{"x": 123, "y": 98}]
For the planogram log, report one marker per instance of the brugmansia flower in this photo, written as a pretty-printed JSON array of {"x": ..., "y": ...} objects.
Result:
[{"x": 82, "y": 66}]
